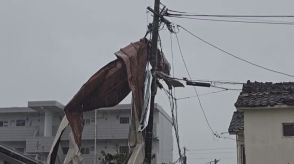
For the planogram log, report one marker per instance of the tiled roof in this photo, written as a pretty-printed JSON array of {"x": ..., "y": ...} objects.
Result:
[
  {"x": 237, "y": 123},
  {"x": 258, "y": 94}
]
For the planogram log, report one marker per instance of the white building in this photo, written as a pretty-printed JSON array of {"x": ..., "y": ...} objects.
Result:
[
  {"x": 264, "y": 123},
  {"x": 31, "y": 130}
]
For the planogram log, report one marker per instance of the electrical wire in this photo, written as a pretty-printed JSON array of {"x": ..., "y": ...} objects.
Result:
[
  {"x": 181, "y": 13},
  {"x": 194, "y": 88},
  {"x": 209, "y": 93},
  {"x": 214, "y": 133},
  {"x": 224, "y": 88},
  {"x": 221, "y": 82},
  {"x": 212, "y": 149},
  {"x": 234, "y": 56},
  {"x": 237, "y": 21},
  {"x": 173, "y": 106},
  {"x": 173, "y": 91}
]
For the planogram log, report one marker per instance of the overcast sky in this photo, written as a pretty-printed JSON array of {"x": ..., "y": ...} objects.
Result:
[{"x": 48, "y": 49}]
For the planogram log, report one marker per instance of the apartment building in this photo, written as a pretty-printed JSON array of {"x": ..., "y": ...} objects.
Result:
[{"x": 31, "y": 130}]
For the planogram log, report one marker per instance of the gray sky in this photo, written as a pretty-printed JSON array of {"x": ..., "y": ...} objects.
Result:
[{"x": 48, "y": 49}]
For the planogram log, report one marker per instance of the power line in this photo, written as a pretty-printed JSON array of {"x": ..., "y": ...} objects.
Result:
[
  {"x": 181, "y": 13},
  {"x": 173, "y": 105},
  {"x": 209, "y": 93},
  {"x": 194, "y": 88},
  {"x": 234, "y": 56},
  {"x": 237, "y": 21},
  {"x": 219, "y": 152},
  {"x": 208, "y": 83},
  {"x": 209, "y": 149},
  {"x": 197, "y": 95},
  {"x": 221, "y": 82}
]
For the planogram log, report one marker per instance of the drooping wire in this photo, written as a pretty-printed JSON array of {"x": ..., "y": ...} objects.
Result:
[
  {"x": 194, "y": 88},
  {"x": 174, "y": 110},
  {"x": 234, "y": 56},
  {"x": 214, "y": 133},
  {"x": 173, "y": 106}
]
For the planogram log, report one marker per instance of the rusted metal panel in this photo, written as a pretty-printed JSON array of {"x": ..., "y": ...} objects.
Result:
[
  {"x": 105, "y": 88},
  {"x": 111, "y": 84}
]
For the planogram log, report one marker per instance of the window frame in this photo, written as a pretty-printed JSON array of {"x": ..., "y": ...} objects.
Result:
[
  {"x": 4, "y": 123},
  {"x": 290, "y": 131},
  {"x": 85, "y": 150},
  {"x": 20, "y": 123},
  {"x": 124, "y": 120}
]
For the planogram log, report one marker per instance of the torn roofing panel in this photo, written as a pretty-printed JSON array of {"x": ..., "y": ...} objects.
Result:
[
  {"x": 112, "y": 83},
  {"x": 105, "y": 88},
  {"x": 134, "y": 57}
]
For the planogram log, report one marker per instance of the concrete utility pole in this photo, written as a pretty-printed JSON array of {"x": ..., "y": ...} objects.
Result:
[
  {"x": 153, "y": 62},
  {"x": 185, "y": 157},
  {"x": 215, "y": 161}
]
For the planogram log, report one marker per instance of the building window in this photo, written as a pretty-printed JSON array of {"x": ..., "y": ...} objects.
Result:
[
  {"x": 85, "y": 150},
  {"x": 288, "y": 129},
  {"x": 65, "y": 150},
  {"x": 3, "y": 123},
  {"x": 86, "y": 121},
  {"x": 124, "y": 120},
  {"x": 123, "y": 149},
  {"x": 20, "y": 123}
]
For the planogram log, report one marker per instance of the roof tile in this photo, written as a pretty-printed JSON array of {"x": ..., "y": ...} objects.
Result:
[{"x": 258, "y": 94}]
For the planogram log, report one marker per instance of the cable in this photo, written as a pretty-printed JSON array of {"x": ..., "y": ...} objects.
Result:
[
  {"x": 221, "y": 82},
  {"x": 232, "y": 89},
  {"x": 215, "y": 134},
  {"x": 173, "y": 106},
  {"x": 180, "y": 13},
  {"x": 237, "y": 21},
  {"x": 188, "y": 97},
  {"x": 194, "y": 88},
  {"x": 211, "y": 149},
  {"x": 234, "y": 56},
  {"x": 172, "y": 53}
]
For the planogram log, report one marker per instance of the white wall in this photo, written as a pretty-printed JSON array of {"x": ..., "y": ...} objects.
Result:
[
  {"x": 264, "y": 140},
  {"x": 165, "y": 137}
]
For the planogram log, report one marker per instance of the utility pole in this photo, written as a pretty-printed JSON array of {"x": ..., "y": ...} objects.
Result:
[
  {"x": 215, "y": 161},
  {"x": 95, "y": 137},
  {"x": 185, "y": 157},
  {"x": 153, "y": 62}
]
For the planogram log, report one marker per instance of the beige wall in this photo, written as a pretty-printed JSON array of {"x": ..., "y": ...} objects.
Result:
[
  {"x": 240, "y": 141},
  {"x": 264, "y": 140}
]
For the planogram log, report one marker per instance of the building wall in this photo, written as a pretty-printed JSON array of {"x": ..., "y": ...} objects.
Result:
[
  {"x": 240, "y": 144},
  {"x": 264, "y": 140},
  {"x": 111, "y": 133},
  {"x": 33, "y": 126},
  {"x": 165, "y": 138}
]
